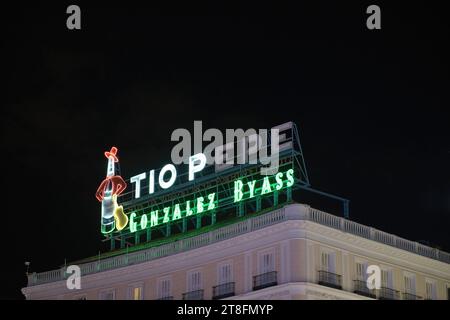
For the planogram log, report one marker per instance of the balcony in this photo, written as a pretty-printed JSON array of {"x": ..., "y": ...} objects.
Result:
[
  {"x": 265, "y": 280},
  {"x": 329, "y": 279},
  {"x": 360, "y": 287},
  {"x": 410, "y": 296},
  {"x": 223, "y": 290},
  {"x": 166, "y": 298},
  {"x": 193, "y": 295},
  {"x": 388, "y": 294}
]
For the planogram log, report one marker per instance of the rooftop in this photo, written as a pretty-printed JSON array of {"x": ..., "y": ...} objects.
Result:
[{"x": 229, "y": 229}]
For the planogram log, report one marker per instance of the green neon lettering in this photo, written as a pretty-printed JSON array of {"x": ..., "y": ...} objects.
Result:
[
  {"x": 290, "y": 177},
  {"x": 266, "y": 186},
  {"x": 144, "y": 221},
  {"x": 176, "y": 212},
  {"x": 133, "y": 224},
  {"x": 238, "y": 190},
  {"x": 189, "y": 211},
  {"x": 154, "y": 218},
  {"x": 211, "y": 204},
  {"x": 200, "y": 204},
  {"x": 166, "y": 214},
  {"x": 278, "y": 178},
  {"x": 251, "y": 186}
]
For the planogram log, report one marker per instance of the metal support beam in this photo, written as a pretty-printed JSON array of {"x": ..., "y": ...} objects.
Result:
[
  {"x": 168, "y": 229},
  {"x": 199, "y": 222},
  {"x": 275, "y": 198},
  {"x": 113, "y": 243}
]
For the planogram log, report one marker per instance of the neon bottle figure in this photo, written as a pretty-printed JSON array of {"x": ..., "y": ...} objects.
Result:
[
  {"x": 108, "y": 207},
  {"x": 112, "y": 214}
]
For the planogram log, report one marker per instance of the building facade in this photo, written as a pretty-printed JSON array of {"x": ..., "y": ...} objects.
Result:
[{"x": 291, "y": 252}]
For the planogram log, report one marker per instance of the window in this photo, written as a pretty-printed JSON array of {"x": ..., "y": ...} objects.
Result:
[
  {"x": 266, "y": 262},
  {"x": 327, "y": 262},
  {"x": 164, "y": 288},
  {"x": 194, "y": 281},
  {"x": 410, "y": 286},
  {"x": 361, "y": 274},
  {"x": 430, "y": 288},
  {"x": 386, "y": 278},
  {"x": 108, "y": 295},
  {"x": 225, "y": 273},
  {"x": 137, "y": 293}
]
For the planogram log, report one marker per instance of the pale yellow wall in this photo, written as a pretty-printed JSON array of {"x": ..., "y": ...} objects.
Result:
[{"x": 304, "y": 266}]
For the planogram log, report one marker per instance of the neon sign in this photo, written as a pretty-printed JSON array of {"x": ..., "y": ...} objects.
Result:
[
  {"x": 242, "y": 192},
  {"x": 197, "y": 163},
  {"x": 113, "y": 216},
  {"x": 158, "y": 213}
]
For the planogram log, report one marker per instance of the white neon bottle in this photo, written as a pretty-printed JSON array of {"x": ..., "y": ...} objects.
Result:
[{"x": 108, "y": 206}]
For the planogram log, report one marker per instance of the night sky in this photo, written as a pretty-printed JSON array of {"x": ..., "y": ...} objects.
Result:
[{"x": 372, "y": 108}]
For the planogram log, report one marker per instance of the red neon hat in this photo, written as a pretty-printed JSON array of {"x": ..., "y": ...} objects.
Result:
[{"x": 112, "y": 153}]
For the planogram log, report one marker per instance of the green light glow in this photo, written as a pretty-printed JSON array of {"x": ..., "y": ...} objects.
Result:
[
  {"x": 200, "y": 204},
  {"x": 143, "y": 221},
  {"x": 278, "y": 177},
  {"x": 153, "y": 218},
  {"x": 176, "y": 212},
  {"x": 238, "y": 194},
  {"x": 211, "y": 204},
  {"x": 166, "y": 214},
  {"x": 133, "y": 224},
  {"x": 189, "y": 211},
  {"x": 251, "y": 187},
  {"x": 266, "y": 186},
  {"x": 242, "y": 191},
  {"x": 262, "y": 186},
  {"x": 290, "y": 177}
]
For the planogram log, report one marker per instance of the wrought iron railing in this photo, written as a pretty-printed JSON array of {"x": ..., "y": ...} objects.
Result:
[
  {"x": 265, "y": 280},
  {"x": 223, "y": 290},
  {"x": 388, "y": 294},
  {"x": 360, "y": 287},
  {"x": 193, "y": 295},
  {"x": 330, "y": 279},
  {"x": 411, "y": 296}
]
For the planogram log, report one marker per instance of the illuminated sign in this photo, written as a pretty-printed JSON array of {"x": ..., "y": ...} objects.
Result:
[
  {"x": 113, "y": 216},
  {"x": 181, "y": 197},
  {"x": 177, "y": 199},
  {"x": 197, "y": 163},
  {"x": 242, "y": 191}
]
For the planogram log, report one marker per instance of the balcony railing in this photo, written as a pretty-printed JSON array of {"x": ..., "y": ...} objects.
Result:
[
  {"x": 330, "y": 279},
  {"x": 388, "y": 294},
  {"x": 265, "y": 280},
  {"x": 193, "y": 295},
  {"x": 291, "y": 212},
  {"x": 411, "y": 296},
  {"x": 360, "y": 287},
  {"x": 223, "y": 290}
]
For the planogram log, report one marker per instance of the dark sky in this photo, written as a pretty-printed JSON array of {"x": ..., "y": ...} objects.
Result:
[{"x": 372, "y": 107}]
